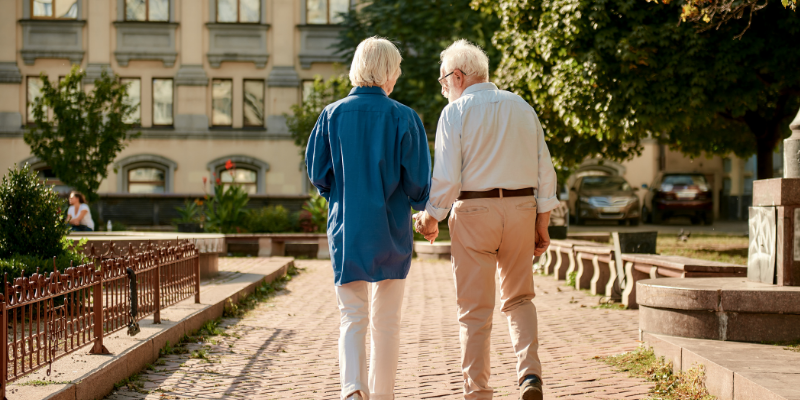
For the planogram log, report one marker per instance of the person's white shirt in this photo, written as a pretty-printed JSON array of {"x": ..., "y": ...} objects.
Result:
[
  {"x": 490, "y": 139},
  {"x": 87, "y": 219}
]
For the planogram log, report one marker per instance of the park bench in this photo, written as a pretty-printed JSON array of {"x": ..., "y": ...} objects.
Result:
[
  {"x": 561, "y": 257},
  {"x": 274, "y": 244},
  {"x": 651, "y": 266},
  {"x": 599, "y": 237},
  {"x": 435, "y": 251},
  {"x": 596, "y": 269}
]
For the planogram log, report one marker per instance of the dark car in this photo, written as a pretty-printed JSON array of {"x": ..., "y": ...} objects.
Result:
[
  {"x": 601, "y": 197},
  {"x": 679, "y": 194}
]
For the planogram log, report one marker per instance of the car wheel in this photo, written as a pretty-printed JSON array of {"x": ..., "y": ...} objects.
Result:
[
  {"x": 578, "y": 220},
  {"x": 646, "y": 215},
  {"x": 658, "y": 217}
]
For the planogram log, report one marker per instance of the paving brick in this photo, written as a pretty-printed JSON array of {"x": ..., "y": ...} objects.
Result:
[{"x": 287, "y": 347}]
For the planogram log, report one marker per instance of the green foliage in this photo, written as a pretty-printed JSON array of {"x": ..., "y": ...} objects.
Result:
[
  {"x": 262, "y": 293},
  {"x": 603, "y": 75},
  {"x": 304, "y": 116},
  {"x": 420, "y": 29},
  {"x": 31, "y": 219},
  {"x": 225, "y": 212},
  {"x": 571, "y": 279},
  {"x": 317, "y": 207},
  {"x": 272, "y": 219},
  {"x": 191, "y": 212},
  {"x": 86, "y": 130}
]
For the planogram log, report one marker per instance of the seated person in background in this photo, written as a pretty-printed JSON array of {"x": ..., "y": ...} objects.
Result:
[{"x": 79, "y": 216}]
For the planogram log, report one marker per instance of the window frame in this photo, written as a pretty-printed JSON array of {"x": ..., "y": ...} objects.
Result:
[
  {"x": 221, "y": 170},
  {"x": 150, "y": 166},
  {"x": 263, "y": 102},
  {"x": 139, "y": 124},
  {"x": 33, "y": 16},
  {"x": 212, "y": 102},
  {"x": 146, "y": 12},
  {"x": 327, "y": 13},
  {"x": 28, "y": 101},
  {"x": 238, "y": 13},
  {"x": 153, "y": 103}
]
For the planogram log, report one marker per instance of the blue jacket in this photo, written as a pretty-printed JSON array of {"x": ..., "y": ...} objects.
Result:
[{"x": 368, "y": 156}]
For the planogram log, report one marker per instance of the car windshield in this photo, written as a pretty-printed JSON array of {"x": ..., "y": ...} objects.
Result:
[
  {"x": 604, "y": 183},
  {"x": 684, "y": 180}
]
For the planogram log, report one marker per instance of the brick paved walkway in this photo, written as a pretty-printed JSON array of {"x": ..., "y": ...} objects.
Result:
[{"x": 286, "y": 349}]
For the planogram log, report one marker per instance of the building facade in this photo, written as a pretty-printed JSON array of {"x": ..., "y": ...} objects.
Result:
[{"x": 213, "y": 80}]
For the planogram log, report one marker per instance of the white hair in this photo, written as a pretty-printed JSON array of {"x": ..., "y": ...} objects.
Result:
[
  {"x": 467, "y": 57},
  {"x": 375, "y": 62}
]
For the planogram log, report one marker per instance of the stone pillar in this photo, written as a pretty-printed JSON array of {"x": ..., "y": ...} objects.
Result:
[
  {"x": 10, "y": 78},
  {"x": 99, "y": 35},
  {"x": 191, "y": 81},
  {"x": 774, "y": 251},
  {"x": 283, "y": 81}
]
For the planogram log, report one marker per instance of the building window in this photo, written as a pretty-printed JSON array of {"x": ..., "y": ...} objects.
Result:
[
  {"x": 326, "y": 12},
  {"x": 34, "y": 91},
  {"x": 60, "y": 9},
  {"x": 253, "y": 102},
  {"x": 221, "y": 102},
  {"x": 146, "y": 180},
  {"x": 162, "y": 102},
  {"x": 147, "y": 10},
  {"x": 241, "y": 11},
  {"x": 308, "y": 87},
  {"x": 134, "y": 98},
  {"x": 246, "y": 178}
]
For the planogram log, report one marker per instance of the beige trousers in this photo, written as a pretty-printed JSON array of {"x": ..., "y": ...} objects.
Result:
[{"x": 494, "y": 236}]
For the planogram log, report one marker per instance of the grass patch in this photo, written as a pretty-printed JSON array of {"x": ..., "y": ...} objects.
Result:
[
  {"x": 133, "y": 382},
  {"x": 728, "y": 249},
  {"x": 642, "y": 363},
  {"x": 263, "y": 292},
  {"x": 791, "y": 346},
  {"x": 610, "y": 306},
  {"x": 571, "y": 279},
  {"x": 38, "y": 382}
]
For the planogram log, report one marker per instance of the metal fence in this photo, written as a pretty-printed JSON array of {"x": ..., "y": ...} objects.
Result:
[{"x": 48, "y": 315}]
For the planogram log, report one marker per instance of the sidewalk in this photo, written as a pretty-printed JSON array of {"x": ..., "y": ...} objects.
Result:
[{"x": 287, "y": 347}]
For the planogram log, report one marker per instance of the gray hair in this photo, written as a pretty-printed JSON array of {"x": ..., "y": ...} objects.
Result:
[
  {"x": 467, "y": 57},
  {"x": 375, "y": 62}
]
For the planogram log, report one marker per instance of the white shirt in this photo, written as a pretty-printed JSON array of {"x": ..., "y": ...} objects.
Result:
[
  {"x": 489, "y": 139},
  {"x": 87, "y": 219}
]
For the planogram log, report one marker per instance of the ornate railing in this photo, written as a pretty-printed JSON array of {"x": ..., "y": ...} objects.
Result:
[{"x": 48, "y": 315}]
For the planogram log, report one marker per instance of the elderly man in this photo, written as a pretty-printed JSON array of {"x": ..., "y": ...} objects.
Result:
[{"x": 493, "y": 174}]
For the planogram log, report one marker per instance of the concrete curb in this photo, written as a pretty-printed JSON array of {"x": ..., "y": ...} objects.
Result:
[
  {"x": 734, "y": 370},
  {"x": 129, "y": 357}
]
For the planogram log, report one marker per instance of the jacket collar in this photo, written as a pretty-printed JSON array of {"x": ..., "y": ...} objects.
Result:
[
  {"x": 367, "y": 90},
  {"x": 479, "y": 87}
]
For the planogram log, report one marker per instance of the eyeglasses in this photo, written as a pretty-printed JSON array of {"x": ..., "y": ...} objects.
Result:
[{"x": 445, "y": 77}]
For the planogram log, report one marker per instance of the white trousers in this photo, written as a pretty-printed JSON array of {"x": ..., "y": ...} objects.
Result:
[{"x": 383, "y": 318}]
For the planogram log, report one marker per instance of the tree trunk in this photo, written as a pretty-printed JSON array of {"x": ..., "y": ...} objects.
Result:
[{"x": 765, "y": 147}]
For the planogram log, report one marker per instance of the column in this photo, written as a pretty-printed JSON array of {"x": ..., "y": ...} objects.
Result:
[
  {"x": 11, "y": 83},
  {"x": 283, "y": 81},
  {"x": 99, "y": 31},
  {"x": 191, "y": 81}
]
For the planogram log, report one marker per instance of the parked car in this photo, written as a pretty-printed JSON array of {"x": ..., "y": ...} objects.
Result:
[
  {"x": 679, "y": 194},
  {"x": 601, "y": 197}
]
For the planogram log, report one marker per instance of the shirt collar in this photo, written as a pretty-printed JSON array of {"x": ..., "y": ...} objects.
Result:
[
  {"x": 367, "y": 90},
  {"x": 479, "y": 87}
]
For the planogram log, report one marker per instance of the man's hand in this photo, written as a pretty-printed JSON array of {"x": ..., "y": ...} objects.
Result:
[
  {"x": 542, "y": 236},
  {"x": 426, "y": 225}
]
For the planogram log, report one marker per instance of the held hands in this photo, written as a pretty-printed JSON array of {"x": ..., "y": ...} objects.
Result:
[
  {"x": 542, "y": 235},
  {"x": 426, "y": 225}
]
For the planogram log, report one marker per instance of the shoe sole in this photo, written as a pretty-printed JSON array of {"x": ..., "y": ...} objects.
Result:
[{"x": 532, "y": 395}]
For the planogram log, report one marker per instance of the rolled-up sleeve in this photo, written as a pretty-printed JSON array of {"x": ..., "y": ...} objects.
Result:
[
  {"x": 416, "y": 163},
  {"x": 546, "y": 196},
  {"x": 447, "y": 169},
  {"x": 318, "y": 158}
]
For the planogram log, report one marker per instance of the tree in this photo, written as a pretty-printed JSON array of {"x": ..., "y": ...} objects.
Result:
[
  {"x": 421, "y": 29},
  {"x": 86, "y": 131},
  {"x": 715, "y": 13},
  {"x": 305, "y": 115},
  {"x": 604, "y": 74}
]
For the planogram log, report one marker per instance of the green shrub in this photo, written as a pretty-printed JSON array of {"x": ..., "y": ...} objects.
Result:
[
  {"x": 317, "y": 207},
  {"x": 19, "y": 265},
  {"x": 225, "y": 212},
  {"x": 31, "y": 219},
  {"x": 272, "y": 219},
  {"x": 191, "y": 212}
]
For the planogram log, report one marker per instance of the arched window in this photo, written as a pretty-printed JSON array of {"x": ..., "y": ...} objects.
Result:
[
  {"x": 146, "y": 180},
  {"x": 248, "y": 172},
  {"x": 241, "y": 176},
  {"x": 145, "y": 174}
]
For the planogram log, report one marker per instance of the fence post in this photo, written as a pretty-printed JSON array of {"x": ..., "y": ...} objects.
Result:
[
  {"x": 3, "y": 346},
  {"x": 157, "y": 312},
  {"x": 97, "y": 300},
  {"x": 197, "y": 278}
]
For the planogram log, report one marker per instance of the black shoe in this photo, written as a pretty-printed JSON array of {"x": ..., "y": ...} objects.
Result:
[{"x": 531, "y": 388}]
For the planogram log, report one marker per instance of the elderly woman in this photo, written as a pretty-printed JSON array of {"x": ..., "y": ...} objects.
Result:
[
  {"x": 79, "y": 215},
  {"x": 368, "y": 156}
]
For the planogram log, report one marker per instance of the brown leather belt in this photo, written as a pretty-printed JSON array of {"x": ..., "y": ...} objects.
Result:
[{"x": 465, "y": 195}]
